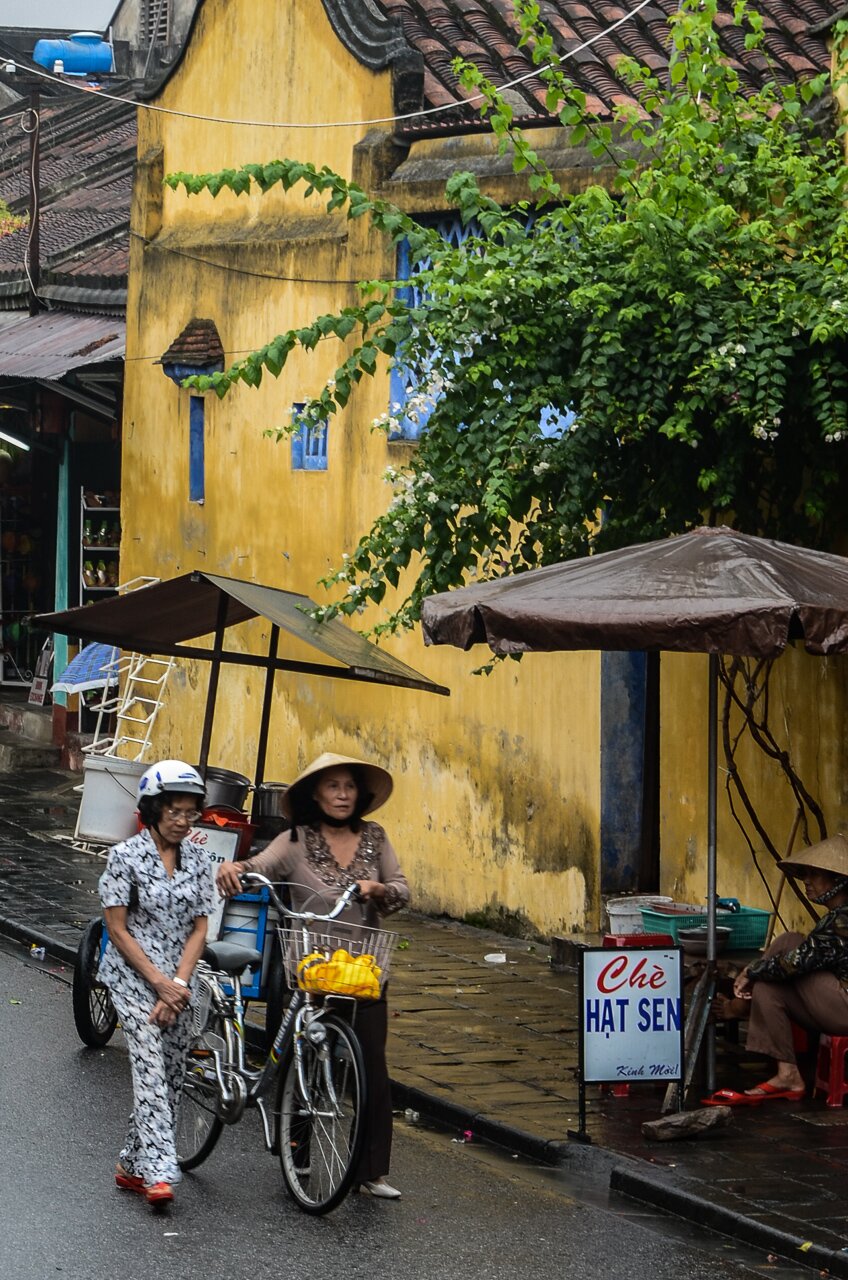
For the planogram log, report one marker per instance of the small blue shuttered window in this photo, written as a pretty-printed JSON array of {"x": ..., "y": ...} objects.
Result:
[{"x": 308, "y": 443}]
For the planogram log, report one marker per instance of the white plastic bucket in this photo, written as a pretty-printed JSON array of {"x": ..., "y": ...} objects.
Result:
[
  {"x": 625, "y": 915},
  {"x": 108, "y": 809}
]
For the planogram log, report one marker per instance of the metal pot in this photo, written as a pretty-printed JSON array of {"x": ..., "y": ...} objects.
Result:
[
  {"x": 223, "y": 786},
  {"x": 268, "y": 800}
]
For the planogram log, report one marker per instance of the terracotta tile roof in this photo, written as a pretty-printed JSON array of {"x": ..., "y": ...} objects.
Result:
[
  {"x": 199, "y": 346},
  {"x": 486, "y": 32},
  {"x": 87, "y": 153}
]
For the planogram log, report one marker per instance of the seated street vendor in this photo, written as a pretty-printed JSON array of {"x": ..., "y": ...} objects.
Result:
[{"x": 797, "y": 979}]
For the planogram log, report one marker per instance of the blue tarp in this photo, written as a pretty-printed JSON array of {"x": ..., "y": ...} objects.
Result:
[{"x": 94, "y": 667}]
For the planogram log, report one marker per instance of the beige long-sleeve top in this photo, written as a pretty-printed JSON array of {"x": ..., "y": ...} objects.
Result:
[{"x": 316, "y": 880}]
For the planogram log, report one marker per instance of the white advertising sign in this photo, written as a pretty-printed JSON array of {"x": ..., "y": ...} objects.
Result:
[
  {"x": 631, "y": 1015},
  {"x": 221, "y": 844}
]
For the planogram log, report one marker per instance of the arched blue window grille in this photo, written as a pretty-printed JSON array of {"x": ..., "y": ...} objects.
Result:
[{"x": 553, "y": 421}]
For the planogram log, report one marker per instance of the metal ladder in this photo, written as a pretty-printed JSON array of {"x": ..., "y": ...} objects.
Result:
[
  {"x": 136, "y": 702},
  {"x": 141, "y": 685}
]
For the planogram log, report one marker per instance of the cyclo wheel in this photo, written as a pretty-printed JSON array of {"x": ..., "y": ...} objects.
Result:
[
  {"x": 95, "y": 1017},
  {"x": 319, "y": 1144},
  {"x": 198, "y": 1122}
]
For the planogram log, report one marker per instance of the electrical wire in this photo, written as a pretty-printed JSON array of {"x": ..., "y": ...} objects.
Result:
[
  {"x": 473, "y": 100},
  {"x": 239, "y": 271}
]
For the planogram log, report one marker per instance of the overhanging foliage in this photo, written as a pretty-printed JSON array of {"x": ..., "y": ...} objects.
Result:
[{"x": 693, "y": 319}]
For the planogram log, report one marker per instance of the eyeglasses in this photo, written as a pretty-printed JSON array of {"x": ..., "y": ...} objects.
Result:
[{"x": 182, "y": 815}]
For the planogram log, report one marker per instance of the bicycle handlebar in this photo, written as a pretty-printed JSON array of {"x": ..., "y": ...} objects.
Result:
[{"x": 350, "y": 894}]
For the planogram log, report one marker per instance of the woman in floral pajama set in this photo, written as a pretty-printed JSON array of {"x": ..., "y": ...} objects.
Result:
[{"x": 157, "y": 891}]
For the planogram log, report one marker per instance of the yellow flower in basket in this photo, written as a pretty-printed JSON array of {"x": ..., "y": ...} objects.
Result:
[{"x": 343, "y": 974}]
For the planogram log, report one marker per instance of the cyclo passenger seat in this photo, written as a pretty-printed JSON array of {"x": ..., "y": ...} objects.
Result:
[{"x": 231, "y": 957}]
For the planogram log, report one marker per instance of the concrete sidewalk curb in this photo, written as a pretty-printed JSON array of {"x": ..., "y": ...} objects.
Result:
[
  {"x": 36, "y": 937},
  {"x": 674, "y": 1198},
  {"x": 454, "y": 1116}
]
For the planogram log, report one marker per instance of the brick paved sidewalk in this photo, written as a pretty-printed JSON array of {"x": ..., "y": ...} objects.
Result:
[{"x": 491, "y": 1049}]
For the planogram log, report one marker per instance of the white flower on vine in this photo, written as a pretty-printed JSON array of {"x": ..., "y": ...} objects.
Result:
[{"x": 331, "y": 384}]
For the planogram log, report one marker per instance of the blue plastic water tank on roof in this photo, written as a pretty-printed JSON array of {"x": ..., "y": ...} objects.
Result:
[{"x": 82, "y": 54}]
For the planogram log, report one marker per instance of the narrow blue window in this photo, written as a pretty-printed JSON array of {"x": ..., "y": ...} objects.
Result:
[
  {"x": 308, "y": 444},
  {"x": 196, "y": 449}
]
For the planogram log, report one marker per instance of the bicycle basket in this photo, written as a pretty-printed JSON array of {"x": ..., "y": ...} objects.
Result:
[{"x": 342, "y": 960}]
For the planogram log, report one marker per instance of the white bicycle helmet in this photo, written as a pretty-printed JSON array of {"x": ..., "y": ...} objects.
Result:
[{"x": 170, "y": 775}]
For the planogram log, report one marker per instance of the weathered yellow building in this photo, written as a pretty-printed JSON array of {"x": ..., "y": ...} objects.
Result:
[{"x": 499, "y": 806}]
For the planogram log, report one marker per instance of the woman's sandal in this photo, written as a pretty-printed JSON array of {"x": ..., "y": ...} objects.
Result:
[
  {"x": 160, "y": 1193},
  {"x": 731, "y": 1098},
  {"x": 128, "y": 1181},
  {"x": 767, "y": 1093}
]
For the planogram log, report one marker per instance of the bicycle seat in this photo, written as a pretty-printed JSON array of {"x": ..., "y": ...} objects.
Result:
[{"x": 230, "y": 957}]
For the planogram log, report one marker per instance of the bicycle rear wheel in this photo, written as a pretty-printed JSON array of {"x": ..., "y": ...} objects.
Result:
[
  {"x": 198, "y": 1122},
  {"x": 321, "y": 1130}
]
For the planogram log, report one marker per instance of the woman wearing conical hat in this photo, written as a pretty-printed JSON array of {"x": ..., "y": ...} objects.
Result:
[
  {"x": 799, "y": 979},
  {"x": 329, "y": 847}
]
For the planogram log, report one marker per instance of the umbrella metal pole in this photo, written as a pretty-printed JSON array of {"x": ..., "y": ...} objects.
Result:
[
  {"x": 265, "y": 720},
  {"x": 712, "y": 793},
  {"x": 214, "y": 672}
]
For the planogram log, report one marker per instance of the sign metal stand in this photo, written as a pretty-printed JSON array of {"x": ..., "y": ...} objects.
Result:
[{"x": 631, "y": 1025}]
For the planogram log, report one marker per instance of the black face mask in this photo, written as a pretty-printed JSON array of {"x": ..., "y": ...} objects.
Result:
[
  {"x": 826, "y": 897},
  {"x": 335, "y": 822}
]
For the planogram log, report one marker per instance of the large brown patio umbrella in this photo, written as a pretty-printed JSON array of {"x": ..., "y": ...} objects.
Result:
[{"x": 711, "y": 591}]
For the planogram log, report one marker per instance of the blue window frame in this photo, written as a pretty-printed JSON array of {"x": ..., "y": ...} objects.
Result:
[
  {"x": 196, "y": 449},
  {"x": 308, "y": 443}
]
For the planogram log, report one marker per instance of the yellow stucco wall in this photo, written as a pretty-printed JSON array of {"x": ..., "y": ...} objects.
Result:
[
  {"x": 496, "y": 808},
  {"x": 497, "y": 802},
  {"x": 806, "y": 711}
]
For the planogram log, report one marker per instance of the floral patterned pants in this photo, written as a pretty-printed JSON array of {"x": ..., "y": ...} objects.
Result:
[{"x": 157, "y": 1059}]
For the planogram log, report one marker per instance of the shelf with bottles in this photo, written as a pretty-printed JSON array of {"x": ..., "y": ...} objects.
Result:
[
  {"x": 100, "y": 575},
  {"x": 99, "y": 532},
  {"x": 100, "y": 540}
]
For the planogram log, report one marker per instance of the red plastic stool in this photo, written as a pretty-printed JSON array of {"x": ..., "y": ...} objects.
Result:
[{"x": 830, "y": 1069}]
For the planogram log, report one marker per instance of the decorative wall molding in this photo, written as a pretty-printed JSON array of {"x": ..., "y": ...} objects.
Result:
[{"x": 378, "y": 42}]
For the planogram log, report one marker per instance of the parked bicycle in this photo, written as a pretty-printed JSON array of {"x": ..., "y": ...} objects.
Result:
[{"x": 311, "y": 1090}]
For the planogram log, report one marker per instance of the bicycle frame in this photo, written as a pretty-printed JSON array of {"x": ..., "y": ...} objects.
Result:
[{"x": 301, "y": 1020}]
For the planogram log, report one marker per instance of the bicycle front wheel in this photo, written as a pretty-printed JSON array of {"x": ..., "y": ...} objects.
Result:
[
  {"x": 321, "y": 1122},
  {"x": 198, "y": 1122}
]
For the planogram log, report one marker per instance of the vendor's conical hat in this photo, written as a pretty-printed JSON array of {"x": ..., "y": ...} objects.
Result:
[
  {"x": 377, "y": 780},
  {"x": 829, "y": 855}
]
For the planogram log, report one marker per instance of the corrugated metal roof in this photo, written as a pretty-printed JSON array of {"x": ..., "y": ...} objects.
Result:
[{"x": 51, "y": 344}]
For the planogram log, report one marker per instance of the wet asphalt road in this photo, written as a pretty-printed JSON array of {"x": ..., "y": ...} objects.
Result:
[{"x": 466, "y": 1212}]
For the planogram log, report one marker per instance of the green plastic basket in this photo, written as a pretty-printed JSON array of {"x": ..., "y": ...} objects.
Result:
[{"x": 748, "y": 926}]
